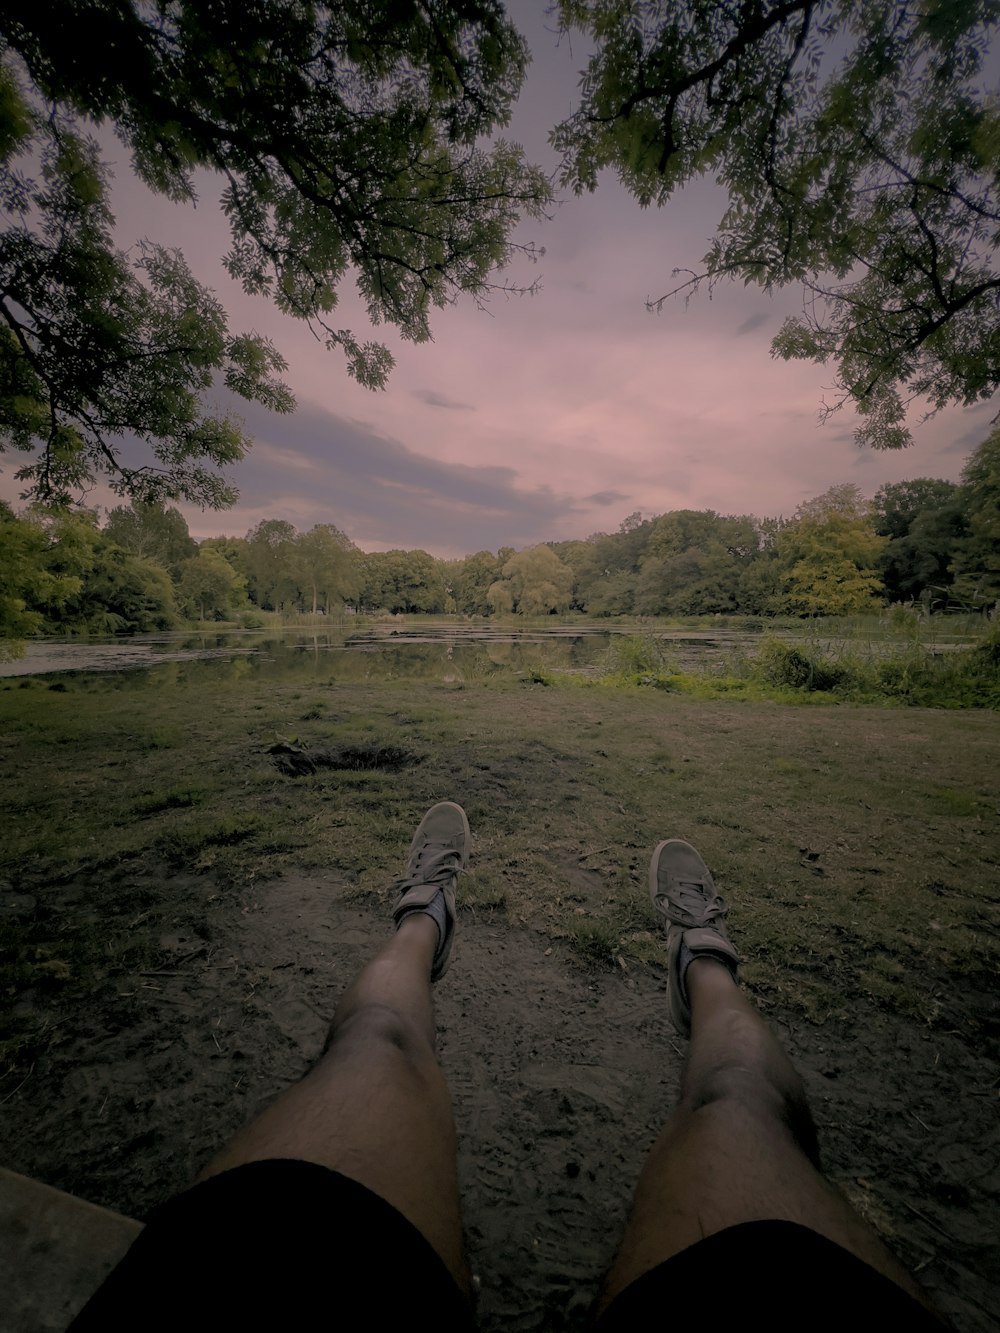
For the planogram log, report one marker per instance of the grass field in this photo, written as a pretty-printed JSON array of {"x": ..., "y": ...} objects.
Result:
[{"x": 858, "y": 845}]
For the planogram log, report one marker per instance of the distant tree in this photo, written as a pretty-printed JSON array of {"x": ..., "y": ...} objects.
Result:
[
  {"x": 402, "y": 582},
  {"x": 116, "y": 592},
  {"x": 26, "y": 581},
  {"x": 897, "y": 504},
  {"x": 606, "y": 565},
  {"x": 537, "y": 582},
  {"x": 844, "y": 500},
  {"x": 828, "y": 556},
  {"x": 693, "y": 562},
  {"x": 860, "y": 148},
  {"x": 349, "y": 139},
  {"x": 232, "y": 549},
  {"x": 924, "y": 522},
  {"x": 153, "y": 531},
  {"x": 209, "y": 587},
  {"x": 976, "y": 565},
  {"x": 500, "y": 597},
  {"x": 271, "y": 564},
  {"x": 612, "y": 594},
  {"x": 326, "y": 561},
  {"x": 471, "y": 579},
  {"x": 760, "y": 590}
]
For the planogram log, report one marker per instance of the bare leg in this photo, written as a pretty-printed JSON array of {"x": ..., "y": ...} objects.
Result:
[
  {"x": 741, "y": 1146},
  {"x": 376, "y": 1106}
]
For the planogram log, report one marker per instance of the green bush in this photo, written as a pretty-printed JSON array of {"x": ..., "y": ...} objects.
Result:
[
  {"x": 780, "y": 664},
  {"x": 636, "y": 655}
]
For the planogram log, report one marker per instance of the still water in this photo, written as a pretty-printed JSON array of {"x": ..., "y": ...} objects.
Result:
[{"x": 444, "y": 652}]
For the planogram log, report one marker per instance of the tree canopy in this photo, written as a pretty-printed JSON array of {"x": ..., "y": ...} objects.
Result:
[
  {"x": 860, "y": 154},
  {"x": 347, "y": 139},
  {"x": 856, "y": 141}
]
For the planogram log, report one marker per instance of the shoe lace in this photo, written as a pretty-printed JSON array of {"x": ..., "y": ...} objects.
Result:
[
  {"x": 690, "y": 905},
  {"x": 431, "y": 865}
]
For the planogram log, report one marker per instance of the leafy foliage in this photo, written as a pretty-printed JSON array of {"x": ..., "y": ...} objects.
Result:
[
  {"x": 153, "y": 531},
  {"x": 208, "y": 586},
  {"x": 534, "y": 583},
  {"x": 402, "y": 581},
  {"x": 860, "y": 157},
  {"x": 829, "y": 555},
  {"x": 26, "y": 583},
  {"x": 346, "y": 139},
  {"x": 976, "y": 567}
]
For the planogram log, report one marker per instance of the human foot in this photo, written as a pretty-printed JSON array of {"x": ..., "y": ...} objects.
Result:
[
  {"x": 438, "y": 853},
  {"x": 693, "y": 914}
]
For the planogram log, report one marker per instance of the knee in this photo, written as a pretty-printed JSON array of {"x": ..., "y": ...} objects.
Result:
[
  {"x": 781, "y": 1101},
  {"x": 379, "y": 1027}
]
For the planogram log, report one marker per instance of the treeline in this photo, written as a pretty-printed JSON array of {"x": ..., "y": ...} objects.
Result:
[{"x": 927, "y": 541}]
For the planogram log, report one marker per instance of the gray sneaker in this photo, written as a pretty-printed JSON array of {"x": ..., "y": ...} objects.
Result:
[
  {"x": 438, "y": 853},
  {"x": 685, "y": 900}
]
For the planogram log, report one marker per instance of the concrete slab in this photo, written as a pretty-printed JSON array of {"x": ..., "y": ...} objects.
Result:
[{"x": 55, "y": 1251}]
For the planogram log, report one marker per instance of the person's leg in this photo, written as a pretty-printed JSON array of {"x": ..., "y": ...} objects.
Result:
[
  {"x": 741, "y": 1146},
  {"x": 376, "y": 1106}
]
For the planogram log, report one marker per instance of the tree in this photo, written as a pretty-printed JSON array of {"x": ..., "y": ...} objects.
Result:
[
  {"x": 344, "y": 137},
  {"x": 208, "y": 586},
  {"x": 113, "y": 592},
  {"x": 606, "y": 565},
  {"x": 924, "y": 522},
  {"x": 693, "y": 562},
  {"x": 976, "y": 566},
  {"x": 232, "y": 549},
  {"x": 896, "y": 505},
  {"x": 25, "y": 580},
  {"x": 828, "y": 556},
  {"x": 153, "y": 531},
  {"x": 471, "y": 582},
  {"x": 861, "y": 159},
  {"x": 270, "y": 560},
  {"x": 403, "y": 582},
  {"x": 327, "y": 567},
  {"x": 535, "y": 582}
]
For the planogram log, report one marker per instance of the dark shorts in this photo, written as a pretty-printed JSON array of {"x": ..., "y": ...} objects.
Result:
[{"x": 288, "y": 1245}]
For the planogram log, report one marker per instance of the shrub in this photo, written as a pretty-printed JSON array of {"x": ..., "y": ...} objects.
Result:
[{"x": 779, "y": 663}]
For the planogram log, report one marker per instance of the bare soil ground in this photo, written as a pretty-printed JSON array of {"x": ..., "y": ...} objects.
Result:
[{"x": 859, "y": 848}]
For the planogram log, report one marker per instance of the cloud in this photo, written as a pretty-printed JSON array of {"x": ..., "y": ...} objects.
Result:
[
  {"x": 434, "y": 399},
  {"x": 315, "y": 466},
  {"x": 982, "y": 415},
  {"x": 752, "y": 322},
  {"x": 605, "y": 497}
]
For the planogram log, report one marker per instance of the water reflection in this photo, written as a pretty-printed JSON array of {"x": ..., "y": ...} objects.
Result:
[
  {"x": 442, "y": 652},
  {"x": 445, "y": 653}
]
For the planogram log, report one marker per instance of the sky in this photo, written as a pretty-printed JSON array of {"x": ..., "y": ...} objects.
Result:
[{"x": 549, "y": 416}]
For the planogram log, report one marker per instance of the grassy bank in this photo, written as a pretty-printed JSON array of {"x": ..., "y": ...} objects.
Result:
[
  {"x": 858, "y": 845},
  {"x": 904, "y": 668}
]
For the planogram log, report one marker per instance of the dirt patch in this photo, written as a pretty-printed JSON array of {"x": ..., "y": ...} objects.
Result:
[
  {"x": 297, "y": 761},
  {"x": 180, "y": 918},
  {"x": 561, "y": 1077}
]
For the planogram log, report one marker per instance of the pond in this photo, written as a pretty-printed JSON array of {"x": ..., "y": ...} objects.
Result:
[
  {"x": 447, "y": 651},
  {"x": 384, "y": 651}
]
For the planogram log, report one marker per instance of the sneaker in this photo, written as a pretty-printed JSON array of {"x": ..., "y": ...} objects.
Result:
[
  {"x": 685, "y": 900},
  {"x": 438, "y": 853}
]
